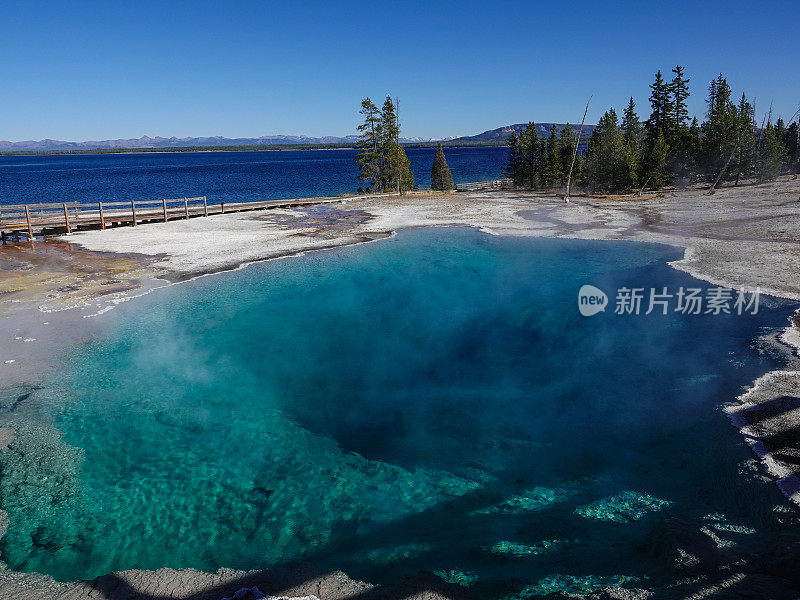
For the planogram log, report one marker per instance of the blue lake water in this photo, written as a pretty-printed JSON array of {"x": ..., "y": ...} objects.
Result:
[
  {"x": 221, "y": 176},
  {"x": 432, "y": 401}
]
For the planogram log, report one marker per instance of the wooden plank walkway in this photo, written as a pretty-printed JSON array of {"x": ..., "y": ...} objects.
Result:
[
  {"x": 492, "y": 184},
  {"x": 53, "y": 218},
  {"x": 58, "y": 218}
]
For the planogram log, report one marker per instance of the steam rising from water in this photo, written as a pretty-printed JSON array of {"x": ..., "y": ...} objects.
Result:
[{"x": 433, "y": 401}]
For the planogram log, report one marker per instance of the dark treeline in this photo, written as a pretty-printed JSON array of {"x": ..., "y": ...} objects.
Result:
[{"x": 668, "y": 148}]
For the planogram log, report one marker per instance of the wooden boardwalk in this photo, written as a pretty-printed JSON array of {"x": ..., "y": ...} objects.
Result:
[
  {"x": 53, "y": 218},
  {"x": 492, "y": 184},
  {"x": 28, "y": 220}
]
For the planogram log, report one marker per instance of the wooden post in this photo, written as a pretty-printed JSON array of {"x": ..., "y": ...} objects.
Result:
[
  {"x": 164, "y": 202},
  {"x": 66, "y": 220},
  {"x": 102, "y": 218},
  {"x": 205, "y": 206},
  {"x": 221, "y": 207},
  {"x": 133, "y": 212},
  {"x": 28, "y": 219},
  {"x": 186, "y": 207}
]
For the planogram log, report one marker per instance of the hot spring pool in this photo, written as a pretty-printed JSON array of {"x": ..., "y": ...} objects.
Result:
[{"x": 432, "y": 401}]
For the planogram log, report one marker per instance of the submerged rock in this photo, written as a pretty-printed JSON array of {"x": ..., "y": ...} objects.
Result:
[
  {"x": 246, "y": 594},
  {"x": 622, "y": 508},
  {"x": 6, "y": 437},
  {"x": 254, "y": 593},
  {"x": 3, "y": 523}
]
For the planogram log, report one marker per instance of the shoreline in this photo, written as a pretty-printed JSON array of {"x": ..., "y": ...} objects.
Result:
[
  {"x": 298, "y": 232},
  {"x": 712, "y": 252},
  {"x": 196, "y": 150}
]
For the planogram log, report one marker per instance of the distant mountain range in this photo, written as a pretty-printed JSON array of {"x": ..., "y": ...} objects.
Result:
[
  {"x": 501, "y": 133},
  {"x": 172, "y": 142},
  {"x": 487, "y": 137}
]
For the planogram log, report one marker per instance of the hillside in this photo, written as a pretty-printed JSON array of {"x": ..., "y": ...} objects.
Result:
[{"x": 501, "y": 133}]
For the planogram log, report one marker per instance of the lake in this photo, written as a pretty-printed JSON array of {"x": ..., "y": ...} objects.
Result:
[{"x": 221, "y": 176}]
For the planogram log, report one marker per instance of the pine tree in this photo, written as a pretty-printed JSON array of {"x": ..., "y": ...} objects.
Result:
[
  {"x": 721, "y": 128},
  {"x": 694, "y": 145},
  {"x": 605, "y": 167},
  {"x": 553, "y": 169},
  {"x": 747, "y": 138},
  {"x": 631, "y": 126},
  {"x": 781, "y": 132},
  {"x": 541, "y": 157},
  {"x": 793, "y": 148},
  {"x": 369, "y": 158},
  {"x": 633, "y": 134},
  {"x": 780, "y": 129},
  {"x": 661, "y": 120},
  {"x": 771, "y": 154},
  {"x": 632, "y": 158},
  {"x": 679, "y": 89},
  {"x": 530, "y": 156},
  {"x": 404, "y": 167},
  {"x": 389, "y": 134},
  {"x": 523, "y": 166},
  {"x": 695, "y": 140},
  {"x": 511, "y": 164},
  {"x": 661, "y": 104},
  {"x": 441, "y": 177},
  {"x": 660, "y": 175},
  {"x": 395, "y": 173}
]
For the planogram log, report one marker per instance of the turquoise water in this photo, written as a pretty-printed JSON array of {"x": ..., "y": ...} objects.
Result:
[{"x": 432, "y": 401}]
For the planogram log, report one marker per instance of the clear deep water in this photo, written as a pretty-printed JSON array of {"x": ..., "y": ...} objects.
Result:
[
  {"x": 432, "y": 401},
  {"x": 222, "y": 176}
]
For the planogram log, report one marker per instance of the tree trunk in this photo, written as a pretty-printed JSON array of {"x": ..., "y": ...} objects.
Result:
[
  {"x": 738, "y": 168},
  {"x": 722, "y": 172},
  {"x": 644, "y": 185},
  {"x": 575, "y": 152}
]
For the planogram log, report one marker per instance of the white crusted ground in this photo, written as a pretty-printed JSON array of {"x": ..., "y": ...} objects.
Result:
[{"x": 747, "y": 236}]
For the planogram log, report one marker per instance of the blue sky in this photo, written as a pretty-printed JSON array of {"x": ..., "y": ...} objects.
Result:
[{"x": 99, "y": 70}]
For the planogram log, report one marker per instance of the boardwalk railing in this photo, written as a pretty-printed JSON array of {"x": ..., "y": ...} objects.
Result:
[
  {"x": 57, "y": 218},
  {"x": 45, "y": 218},
  {"x": 493, "y": 184}
]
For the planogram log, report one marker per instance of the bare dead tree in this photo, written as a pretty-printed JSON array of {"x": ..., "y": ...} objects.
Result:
[
  {"x": 644, "y": 185},
  {"x": 727, "y": 162},
  {"x": 575, "y": 151}
]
